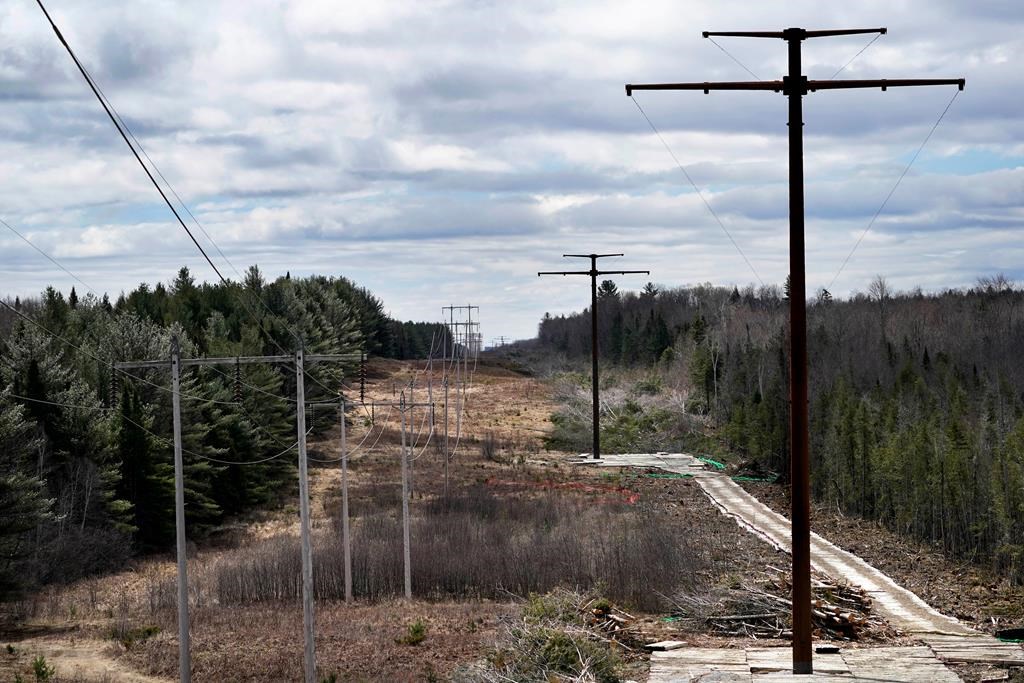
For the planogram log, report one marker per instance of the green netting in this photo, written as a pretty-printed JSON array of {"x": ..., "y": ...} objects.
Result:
[
  {"x": 740, "y": 477},
  {"x": 714, "y": 463}
]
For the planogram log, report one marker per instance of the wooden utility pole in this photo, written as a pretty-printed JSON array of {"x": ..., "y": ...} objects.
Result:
[
  {"x": 594, "y": 273},
  {"x": 176, "y": 363},
  {"x": 794, "y": 86}
]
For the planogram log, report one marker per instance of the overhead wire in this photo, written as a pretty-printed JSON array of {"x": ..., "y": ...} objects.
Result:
[
  {"x": 697, "y": 189},
  {"x": 57, "y": 263},
  {"x": 125, "y": 132},
  {"x": 148, "y": 431},
  {"x": 117, "y": 125},
  {"x": 733, "y": 58},
  {"x": 893, "y": 190},
  {"x": 112, "y": 366},
  {"x": 49, "y": 258},
  {"x": 850, "y": 60}
]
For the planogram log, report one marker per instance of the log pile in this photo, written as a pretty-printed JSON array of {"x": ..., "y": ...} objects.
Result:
[
  {"x": 613, "y": 623},
  {"x": 839, "y": 611}
]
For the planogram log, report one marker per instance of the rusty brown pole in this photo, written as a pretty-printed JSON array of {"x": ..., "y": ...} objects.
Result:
[
  {"x": 795, "y": 86},
  {"x": 594, "y": 384},
  {"x": 800, "y": 501}
]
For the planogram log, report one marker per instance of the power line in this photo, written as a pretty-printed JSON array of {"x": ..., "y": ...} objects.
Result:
[
  {"x": 696, "y": 189},
  {"x": 48, "y": 257},
  {"x": 117, "y": 125},
  {"x": 850, "y": 60},
  {"x": 110, "y": 365},
  {"x": 893, "y": 190},
  {"x": 146, "y": 429},
  {"x": 733, "y": 58},
  {"x": 124, "y": 131}
]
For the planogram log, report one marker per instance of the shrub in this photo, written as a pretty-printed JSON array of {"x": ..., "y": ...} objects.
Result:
[
  {"x": 42, "y": 670},
  {"x": 489, "y": 447},
  {"x": 478, "y": 545},
  {"x": 415, "y": 634},
  {"x": 550, "y": 643}
]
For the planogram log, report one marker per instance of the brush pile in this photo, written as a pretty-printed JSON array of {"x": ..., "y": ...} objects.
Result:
[{"x": 839, "y": 611}]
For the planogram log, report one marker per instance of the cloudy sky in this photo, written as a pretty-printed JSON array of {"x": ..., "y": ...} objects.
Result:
[{"x": 444, "y": 152}]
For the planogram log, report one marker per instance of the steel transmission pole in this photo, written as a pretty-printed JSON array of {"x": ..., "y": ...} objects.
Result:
[
  {"x": 595, "y": 387},
  {"x": 795, "y": 86}
]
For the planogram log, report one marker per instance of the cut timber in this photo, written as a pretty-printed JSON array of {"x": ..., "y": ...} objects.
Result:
[{"x": 665, "y": 645}]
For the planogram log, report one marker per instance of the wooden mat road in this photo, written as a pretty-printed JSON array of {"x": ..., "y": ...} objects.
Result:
[{"x": 949, "y": 639}]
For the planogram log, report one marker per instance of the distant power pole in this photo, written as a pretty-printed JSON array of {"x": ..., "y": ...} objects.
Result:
[
  {"x": 593, "y": 273},
  {"x": 795, "y": 86}
]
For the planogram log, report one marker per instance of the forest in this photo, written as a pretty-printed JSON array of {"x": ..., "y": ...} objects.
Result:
[
  {"x": 916, "y": 400},
  {"x": 86, "y": 457}
]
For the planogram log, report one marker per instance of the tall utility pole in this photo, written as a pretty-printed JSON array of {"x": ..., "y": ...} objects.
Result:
[
  {"x": 346, "y": 538},
  {"x": 304, "y": 527},
  {"x": 593, "y": 273},
  {"x": 794, "y": 86},
  {"x": 184, "y": 651},
  {"x": 176, "y": 363}
]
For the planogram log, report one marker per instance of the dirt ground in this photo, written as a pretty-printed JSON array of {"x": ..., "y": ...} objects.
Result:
[{"x": 122, "y": 627}]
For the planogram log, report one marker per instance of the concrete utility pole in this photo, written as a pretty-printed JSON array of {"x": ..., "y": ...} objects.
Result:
[
  {"x": 176, "y": 363},
  {"x": 794, "y": 86},
  {"x": 346, "y": 539},
  {"x": 445, "y": 380},
  {"x": 406, "y": 542},
  {"x": 403, "y": 407},
  {"x": 594, "y": 273},
  {"x": 307, "y": 551},
  {"x": 184, "y": 650}
]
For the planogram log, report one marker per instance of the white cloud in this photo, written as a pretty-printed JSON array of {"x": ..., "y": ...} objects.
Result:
[{"x": 434, "y": 151}]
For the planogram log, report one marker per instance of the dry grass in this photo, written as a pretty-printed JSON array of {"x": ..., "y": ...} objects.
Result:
[
  {"x": 512, "y": 524},
  {"x": 477, "y": 545}
]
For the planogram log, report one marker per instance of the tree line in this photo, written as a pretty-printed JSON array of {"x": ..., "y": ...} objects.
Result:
[
  {"x": 86, "y": 457},
  {"x": 916, "y": 400}
]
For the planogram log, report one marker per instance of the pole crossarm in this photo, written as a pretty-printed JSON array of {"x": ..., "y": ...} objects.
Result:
[
  {"x": 799, "y": 32},
  {"x": 593, "y": 272},
  {"x": 883, "y": 83},
  {"x": 240, "y": 360},
  {"x": 807, "y": 86}
]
